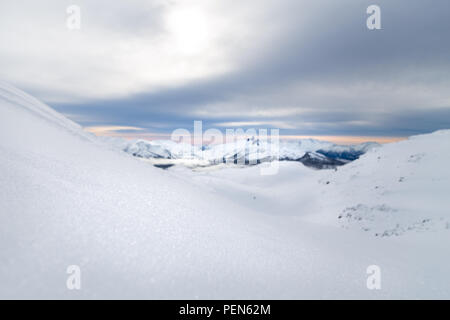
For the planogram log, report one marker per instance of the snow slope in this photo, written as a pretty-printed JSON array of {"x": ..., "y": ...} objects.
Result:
[
  {"x": 140, "y": 232},
  {"x": 402, "y": 187}
]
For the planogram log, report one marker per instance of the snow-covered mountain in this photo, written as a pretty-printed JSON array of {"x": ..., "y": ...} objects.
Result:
[
  {"x": 319, "y": 161},
  {"x": 251, "y": 151},
  {"x": 67, "y": 198}
]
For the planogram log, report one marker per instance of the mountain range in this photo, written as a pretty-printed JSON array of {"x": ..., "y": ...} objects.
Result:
[{"x": 251, "y": 151}]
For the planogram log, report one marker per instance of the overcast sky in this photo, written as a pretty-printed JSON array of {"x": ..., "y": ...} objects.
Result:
[{"x": 307, "y": 67}]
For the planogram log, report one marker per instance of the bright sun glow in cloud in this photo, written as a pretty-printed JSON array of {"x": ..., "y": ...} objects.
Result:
[
  {"x": 128, "y": 49},
  {"x": 189, "y": 27}
]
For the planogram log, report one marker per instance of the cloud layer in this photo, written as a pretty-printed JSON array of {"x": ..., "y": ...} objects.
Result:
[{"x": 306, "y": 67}]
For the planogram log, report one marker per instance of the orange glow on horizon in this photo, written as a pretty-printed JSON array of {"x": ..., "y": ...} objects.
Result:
[
  {"x": 139, "y": 133},
  {"x": 348, "y": 139}
]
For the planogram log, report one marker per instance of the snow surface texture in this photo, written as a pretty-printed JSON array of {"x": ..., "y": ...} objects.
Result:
[{"x": 67, "y": 198}]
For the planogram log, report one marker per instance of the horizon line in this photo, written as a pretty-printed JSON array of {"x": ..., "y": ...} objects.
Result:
[{"x": 134, "y": 133}]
